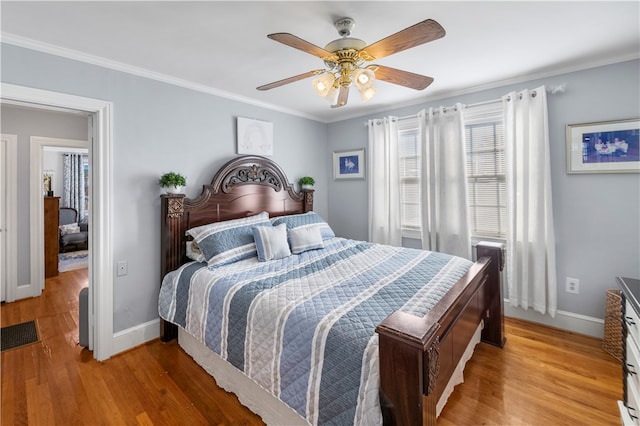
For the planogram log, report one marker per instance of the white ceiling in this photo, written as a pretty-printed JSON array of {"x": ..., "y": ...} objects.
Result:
[{"x": 222, "y": 47}]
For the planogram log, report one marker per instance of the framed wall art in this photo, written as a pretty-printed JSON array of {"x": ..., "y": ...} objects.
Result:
[
  {"x": 348, "y": 164},
  {"x": 255, "y": 137},
  {"x": 604, "y": 147}
]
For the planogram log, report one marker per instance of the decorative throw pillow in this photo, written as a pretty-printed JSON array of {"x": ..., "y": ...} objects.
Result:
[
  {"x": 72, "y": 228},
  {"x": 228, "y": 241},
  {"x": 308, "y": 219},
  {"x": 271, "y": 242},
  {"x": 305, "y": 238}
]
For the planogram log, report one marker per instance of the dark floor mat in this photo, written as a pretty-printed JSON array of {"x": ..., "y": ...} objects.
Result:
[{"x": 18, "y": 335}]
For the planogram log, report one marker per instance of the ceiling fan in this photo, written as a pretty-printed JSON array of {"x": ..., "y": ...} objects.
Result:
[{"x": 346, "y": 61}]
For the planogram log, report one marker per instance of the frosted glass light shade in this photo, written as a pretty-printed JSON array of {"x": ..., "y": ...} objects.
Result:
[
  {"x": 364, "y": 78},
  {"x": 323, "y": 84},
  {"x": 368, "y": 93}
]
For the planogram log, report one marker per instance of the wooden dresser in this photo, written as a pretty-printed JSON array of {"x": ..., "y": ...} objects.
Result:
[
  {"x": 51, "y": 235},
  {"x": 630, "y": 407}
]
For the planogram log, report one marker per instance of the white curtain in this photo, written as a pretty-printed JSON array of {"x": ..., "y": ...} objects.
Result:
[
  {"x": 73, "y": 186},
  {"x": 384, "y": 182},
  {"x": 445, "y": 226},
  {"x": 531, "y": 259}
]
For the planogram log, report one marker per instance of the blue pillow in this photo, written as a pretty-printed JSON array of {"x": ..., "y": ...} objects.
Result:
[
  {"x": 271, "y": 242},
  {"x": 305, "y": 238},
  {"x": 308, "y": 219},
  {"x": 230, "y": 240}
]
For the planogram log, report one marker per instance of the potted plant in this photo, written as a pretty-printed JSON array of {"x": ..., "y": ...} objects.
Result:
[
  {"x": 172, "y": 182},
  {"x": 306, "y": 182}
]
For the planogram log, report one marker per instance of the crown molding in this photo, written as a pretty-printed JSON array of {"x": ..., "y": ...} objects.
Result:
[
  {"x": 444, "y": 94},
  {"x": 51, "y": 49}
]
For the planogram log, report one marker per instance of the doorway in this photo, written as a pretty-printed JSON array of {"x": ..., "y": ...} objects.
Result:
[
  {"x": 101, "y": 266},
  {"x": 65, "y": 168}
]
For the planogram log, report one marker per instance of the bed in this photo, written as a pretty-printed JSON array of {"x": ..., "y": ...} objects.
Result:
[{"x": 297, "y": 368}]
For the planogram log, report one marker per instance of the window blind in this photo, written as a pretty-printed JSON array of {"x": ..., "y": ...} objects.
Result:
[
  {"x": 487, "y": 195},
  {"x": 409, "y": 169}
]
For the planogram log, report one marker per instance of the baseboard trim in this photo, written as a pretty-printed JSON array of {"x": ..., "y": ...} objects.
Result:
[
  {"x": 135, "y": 336},
  {"x": 570, "y": 321}
]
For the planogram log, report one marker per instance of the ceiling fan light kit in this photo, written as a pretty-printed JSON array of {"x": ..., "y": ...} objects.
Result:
[{"x": 345, "y": 61}]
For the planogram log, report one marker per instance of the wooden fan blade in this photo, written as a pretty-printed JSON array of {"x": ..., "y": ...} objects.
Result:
[
  {"x": 300, "y": 44},
  {"x": 413, "y": 36},
  {"x": 343, "y": 96},
  {"x": 403, "y": 78},
  {"x": 290, "y": 79}
]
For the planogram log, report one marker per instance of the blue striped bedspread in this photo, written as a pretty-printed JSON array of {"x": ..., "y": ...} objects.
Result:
[{"x": 303, "y": 327}]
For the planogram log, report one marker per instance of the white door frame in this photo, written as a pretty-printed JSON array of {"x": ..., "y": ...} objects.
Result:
[
  {"x": 36, "y": 200},
  {"x": 100, "y": 216},
  {"x": 10, "y": 212}
]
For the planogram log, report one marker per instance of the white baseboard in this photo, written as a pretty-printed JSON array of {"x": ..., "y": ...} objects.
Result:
[
  {"x": 570, "y": 321},
  {"x": 135, "y": 336}
]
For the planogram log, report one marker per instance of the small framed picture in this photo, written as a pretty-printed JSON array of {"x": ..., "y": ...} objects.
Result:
[
  {"x": 604, "y": 147},
  {"x": 348, "y": 164}
]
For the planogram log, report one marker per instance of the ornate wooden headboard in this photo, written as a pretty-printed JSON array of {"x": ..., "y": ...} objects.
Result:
[{"x": 244, "y": 186}]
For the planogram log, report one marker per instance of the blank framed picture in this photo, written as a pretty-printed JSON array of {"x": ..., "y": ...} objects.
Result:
[{"x": 255, "y": 137}]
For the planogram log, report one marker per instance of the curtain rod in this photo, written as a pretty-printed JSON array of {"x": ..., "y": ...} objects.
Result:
[{"x": 552, "y": 90}]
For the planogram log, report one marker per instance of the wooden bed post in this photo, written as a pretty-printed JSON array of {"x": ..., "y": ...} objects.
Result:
[
  {"x": 171, "y": 245},
  {"x": 403, "y": 344},
  {"x": 307, "y": 202},
  {"x": 493, "y": 332}
]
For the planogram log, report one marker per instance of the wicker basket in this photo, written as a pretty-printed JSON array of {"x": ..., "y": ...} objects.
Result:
[{"x": 612, "y": 342}]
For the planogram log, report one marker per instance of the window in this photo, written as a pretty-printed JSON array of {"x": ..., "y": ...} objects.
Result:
[
  {"x": 409, "y": 169},
  {"x": 487, "y": 193},
  {"x": 485, "y": 156}
]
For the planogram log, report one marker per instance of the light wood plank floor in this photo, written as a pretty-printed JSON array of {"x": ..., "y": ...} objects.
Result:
[{"x": 543, "y": 376}]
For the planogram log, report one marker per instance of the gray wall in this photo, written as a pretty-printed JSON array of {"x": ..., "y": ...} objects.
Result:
[
  {"x": 26, "y": 123},
  {"x": 597, "y": 216},
  {"x": 158, "y": 127}
]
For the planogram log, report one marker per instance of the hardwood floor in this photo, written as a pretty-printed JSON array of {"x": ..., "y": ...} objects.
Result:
[{"x": 543, "y": 376}]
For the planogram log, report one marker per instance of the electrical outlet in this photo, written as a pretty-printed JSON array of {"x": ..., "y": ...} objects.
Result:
[
  {"x": 572, "y": 285},
  {"x": 122, "y": 268}
]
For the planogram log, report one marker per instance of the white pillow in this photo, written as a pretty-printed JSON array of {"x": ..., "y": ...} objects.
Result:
[
  {"x": 194, "y": 252},
  {"x": 305, "y": 238},
  {"x": 271, "y": 242},
  {"x": 72, "y": 228}
]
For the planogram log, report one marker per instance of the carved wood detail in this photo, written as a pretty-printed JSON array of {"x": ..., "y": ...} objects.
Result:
[
  {"x": 251, "y": 174},
  {"x": 175, "y": 207},
  {"x": 434, "y": 365},
  {"x": 308, "y": 199}
]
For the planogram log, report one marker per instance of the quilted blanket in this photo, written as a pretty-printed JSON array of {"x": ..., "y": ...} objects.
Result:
[{"x": 303, "y": 327}]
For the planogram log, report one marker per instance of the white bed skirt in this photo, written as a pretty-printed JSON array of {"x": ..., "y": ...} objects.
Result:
[
  {"x": 253, "y": 396},
  {"x": 272, "y": 410}
]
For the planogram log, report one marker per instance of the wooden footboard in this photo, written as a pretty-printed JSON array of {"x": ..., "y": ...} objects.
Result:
[{"x": 419, "y": 354}]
